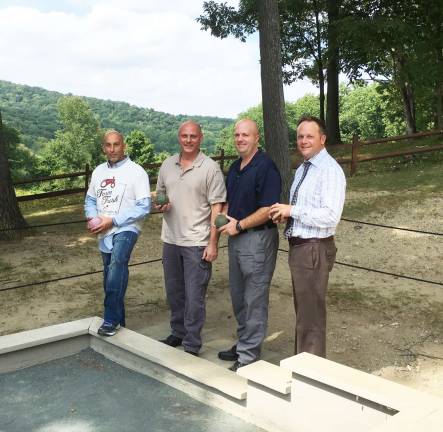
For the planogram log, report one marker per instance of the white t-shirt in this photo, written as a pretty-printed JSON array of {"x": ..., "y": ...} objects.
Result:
[{"x": 117, "y": 189}]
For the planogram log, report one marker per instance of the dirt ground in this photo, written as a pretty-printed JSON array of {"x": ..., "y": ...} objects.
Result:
[{"x": 388, "y": 326}]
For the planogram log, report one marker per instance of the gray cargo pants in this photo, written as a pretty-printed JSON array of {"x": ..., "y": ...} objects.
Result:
[
  {"x": 186, "y": 280},
  {"x": 252, "y": 257}
]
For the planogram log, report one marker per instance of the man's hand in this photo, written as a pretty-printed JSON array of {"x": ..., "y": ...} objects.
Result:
[
  {"x": 230, "y": 228},
  {"x": 163, "y": 208},
  {"x": 210, "y": 253},
  {"x": 105, "y": 224},
  {"x": 279, "y": 213}
]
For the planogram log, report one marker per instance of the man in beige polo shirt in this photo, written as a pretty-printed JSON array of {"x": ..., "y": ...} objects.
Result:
[{"x": 196, "y": 189}]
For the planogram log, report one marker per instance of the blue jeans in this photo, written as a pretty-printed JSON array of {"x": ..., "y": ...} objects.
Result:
[{"x": 115, "y": 276}]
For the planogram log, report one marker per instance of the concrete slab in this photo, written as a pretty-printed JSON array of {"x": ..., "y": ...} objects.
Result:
[{"x": 88, "y": 393}]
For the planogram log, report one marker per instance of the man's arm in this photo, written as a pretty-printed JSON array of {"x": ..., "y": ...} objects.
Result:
[
  {"x": 90, "y": 207},
  {"x": 259, "y": 217},
  {"x": 140, "y": 210},
  {"x": 211, "y": 251}
]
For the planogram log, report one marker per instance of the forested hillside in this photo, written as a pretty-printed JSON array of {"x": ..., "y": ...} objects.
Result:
[{"x": 33, "y": 112}]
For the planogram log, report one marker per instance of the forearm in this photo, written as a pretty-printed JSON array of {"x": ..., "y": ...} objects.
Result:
[
  {"x": 259, "y": 217},
  {"x": 129, "y": 216},
  {"x": 215, "y": 210},
  {"x": 317, "y": 217},
  {"x": 90, "y": 206}
]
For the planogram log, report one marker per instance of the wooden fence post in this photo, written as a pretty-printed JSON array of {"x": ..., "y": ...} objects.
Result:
[
  {"x": 222, "y": 160},
  {"x": 354, "y": 157},
  {"x": 87, "y": 174}
]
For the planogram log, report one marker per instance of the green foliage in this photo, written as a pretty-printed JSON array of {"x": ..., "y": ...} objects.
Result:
[
  {"x": 400, "y": 43},
  {"x": 139, "y": 148},
  {"x": 22, "y": 161},
  {"x": 77, "y": 143},
  {"x": 33, "y": 111},
  {"x": 160, "y": 157}
]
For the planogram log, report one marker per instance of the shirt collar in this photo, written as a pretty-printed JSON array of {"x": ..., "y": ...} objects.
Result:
[
  {"x": 252, "y": 162},
  {"x": 318, "y": 158},
  {"x": 196, "y": 162},
  {"x": 119, "y": 163}
]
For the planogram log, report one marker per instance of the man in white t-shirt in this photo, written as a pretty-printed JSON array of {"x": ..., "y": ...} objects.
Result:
[{"x": 117, "y": 199}]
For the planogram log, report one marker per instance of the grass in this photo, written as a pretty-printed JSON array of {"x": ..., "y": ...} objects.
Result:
[{"x": 385, "y": 185}]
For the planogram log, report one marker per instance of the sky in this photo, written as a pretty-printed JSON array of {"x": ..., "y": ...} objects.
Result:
[{"x": 149, "y": 53}]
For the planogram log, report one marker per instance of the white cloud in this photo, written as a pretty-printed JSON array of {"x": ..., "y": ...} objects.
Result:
[{"x": 147, "y": 53}]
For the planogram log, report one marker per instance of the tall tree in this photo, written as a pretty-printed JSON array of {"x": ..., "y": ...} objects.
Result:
[
  {"x": 303, "y": 38},
  {"x": 274, "y": 118},
  {"x": 10, "y": 215},
  {"x": 333, "y": 70},
  {"x": 303, "y": 44},
  {"x": 393, "y": 42},
  {"x": 78, "y": 142}
]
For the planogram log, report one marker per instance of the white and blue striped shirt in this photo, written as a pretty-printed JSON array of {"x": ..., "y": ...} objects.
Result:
[{"x": 320, "y": 199}]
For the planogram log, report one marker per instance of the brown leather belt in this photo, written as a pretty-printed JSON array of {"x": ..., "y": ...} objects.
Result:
[{"x": 298, "y": 240}]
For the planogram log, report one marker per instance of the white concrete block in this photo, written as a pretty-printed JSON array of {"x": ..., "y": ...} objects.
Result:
[
  {"x": 355, "y": 382},
  {"x": 44, "y": 335},
  {"x": 321, "y": 408},
  {"x": 268, "y": 375},
  {"x": 192, "y": 367}
]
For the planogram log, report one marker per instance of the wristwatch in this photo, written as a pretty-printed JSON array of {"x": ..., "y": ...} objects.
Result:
[{"x": 238, "y": 227}]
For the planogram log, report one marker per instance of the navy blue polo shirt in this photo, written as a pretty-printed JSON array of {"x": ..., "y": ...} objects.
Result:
[{"x": 257, "y": 185}]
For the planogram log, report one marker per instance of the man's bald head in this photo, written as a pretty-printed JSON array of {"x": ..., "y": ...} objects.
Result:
[
  {"x": 250, "y": 124},
  {"x": 190, "y": 137},
  {"x": 246, "y": 137},
  {"x": 191, "y": 123}
]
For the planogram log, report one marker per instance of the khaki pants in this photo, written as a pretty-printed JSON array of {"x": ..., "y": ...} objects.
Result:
[{"x": 310, "y": 264}]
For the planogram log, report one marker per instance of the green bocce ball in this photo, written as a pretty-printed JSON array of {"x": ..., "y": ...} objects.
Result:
[
  {"x": 161, "y": 199},
  {"x": 220, "y": 220}
]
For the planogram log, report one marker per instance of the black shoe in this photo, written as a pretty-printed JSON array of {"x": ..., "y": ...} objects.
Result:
[
  {"x": 192, "y": 353},
  {"x": 229, "y": 355},
  {"x": 108, "y": 329},
  {"x": 172, "y": 341},
  {"x": 237, "y": 365}
]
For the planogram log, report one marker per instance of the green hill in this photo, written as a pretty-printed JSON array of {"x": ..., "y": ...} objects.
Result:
[{"x": 33, "y": 112}]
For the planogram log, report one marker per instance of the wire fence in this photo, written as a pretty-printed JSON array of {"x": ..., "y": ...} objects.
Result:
[
  {"x": 358, "y": 222},
  {"x": 396, "y": 275}
]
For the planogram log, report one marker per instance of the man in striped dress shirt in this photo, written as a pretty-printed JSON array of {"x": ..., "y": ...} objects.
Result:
[{"x": 316, "y": 203}]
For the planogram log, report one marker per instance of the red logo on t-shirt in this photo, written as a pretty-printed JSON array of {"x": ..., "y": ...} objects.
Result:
[{"x": 107, "y": 182}]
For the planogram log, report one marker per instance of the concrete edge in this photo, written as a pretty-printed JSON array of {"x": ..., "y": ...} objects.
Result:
[
  {"x": 361, "y": 384},
  {"x": 32, "y": 338},
  {"x": 195, "y": 368},
  {"x": 268, "y": 375}
]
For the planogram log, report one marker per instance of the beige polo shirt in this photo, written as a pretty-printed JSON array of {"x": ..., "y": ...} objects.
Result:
[{"x": 191, "y": 193}]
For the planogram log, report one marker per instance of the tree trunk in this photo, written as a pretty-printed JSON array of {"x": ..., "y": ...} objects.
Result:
[
  {"x": 10, "y": 215},
  {"x": 332, "y": 101},
  {"x": 439, "y": 106},
  {"x": 274, "y": 117},
  {"x": 439, "y": 89},
  {"x": 321, "y": 74},
  {"x": 409, "y": 108}
]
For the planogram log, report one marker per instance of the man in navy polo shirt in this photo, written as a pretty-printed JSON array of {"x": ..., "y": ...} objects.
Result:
[{"x": 253, "y": 185}]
